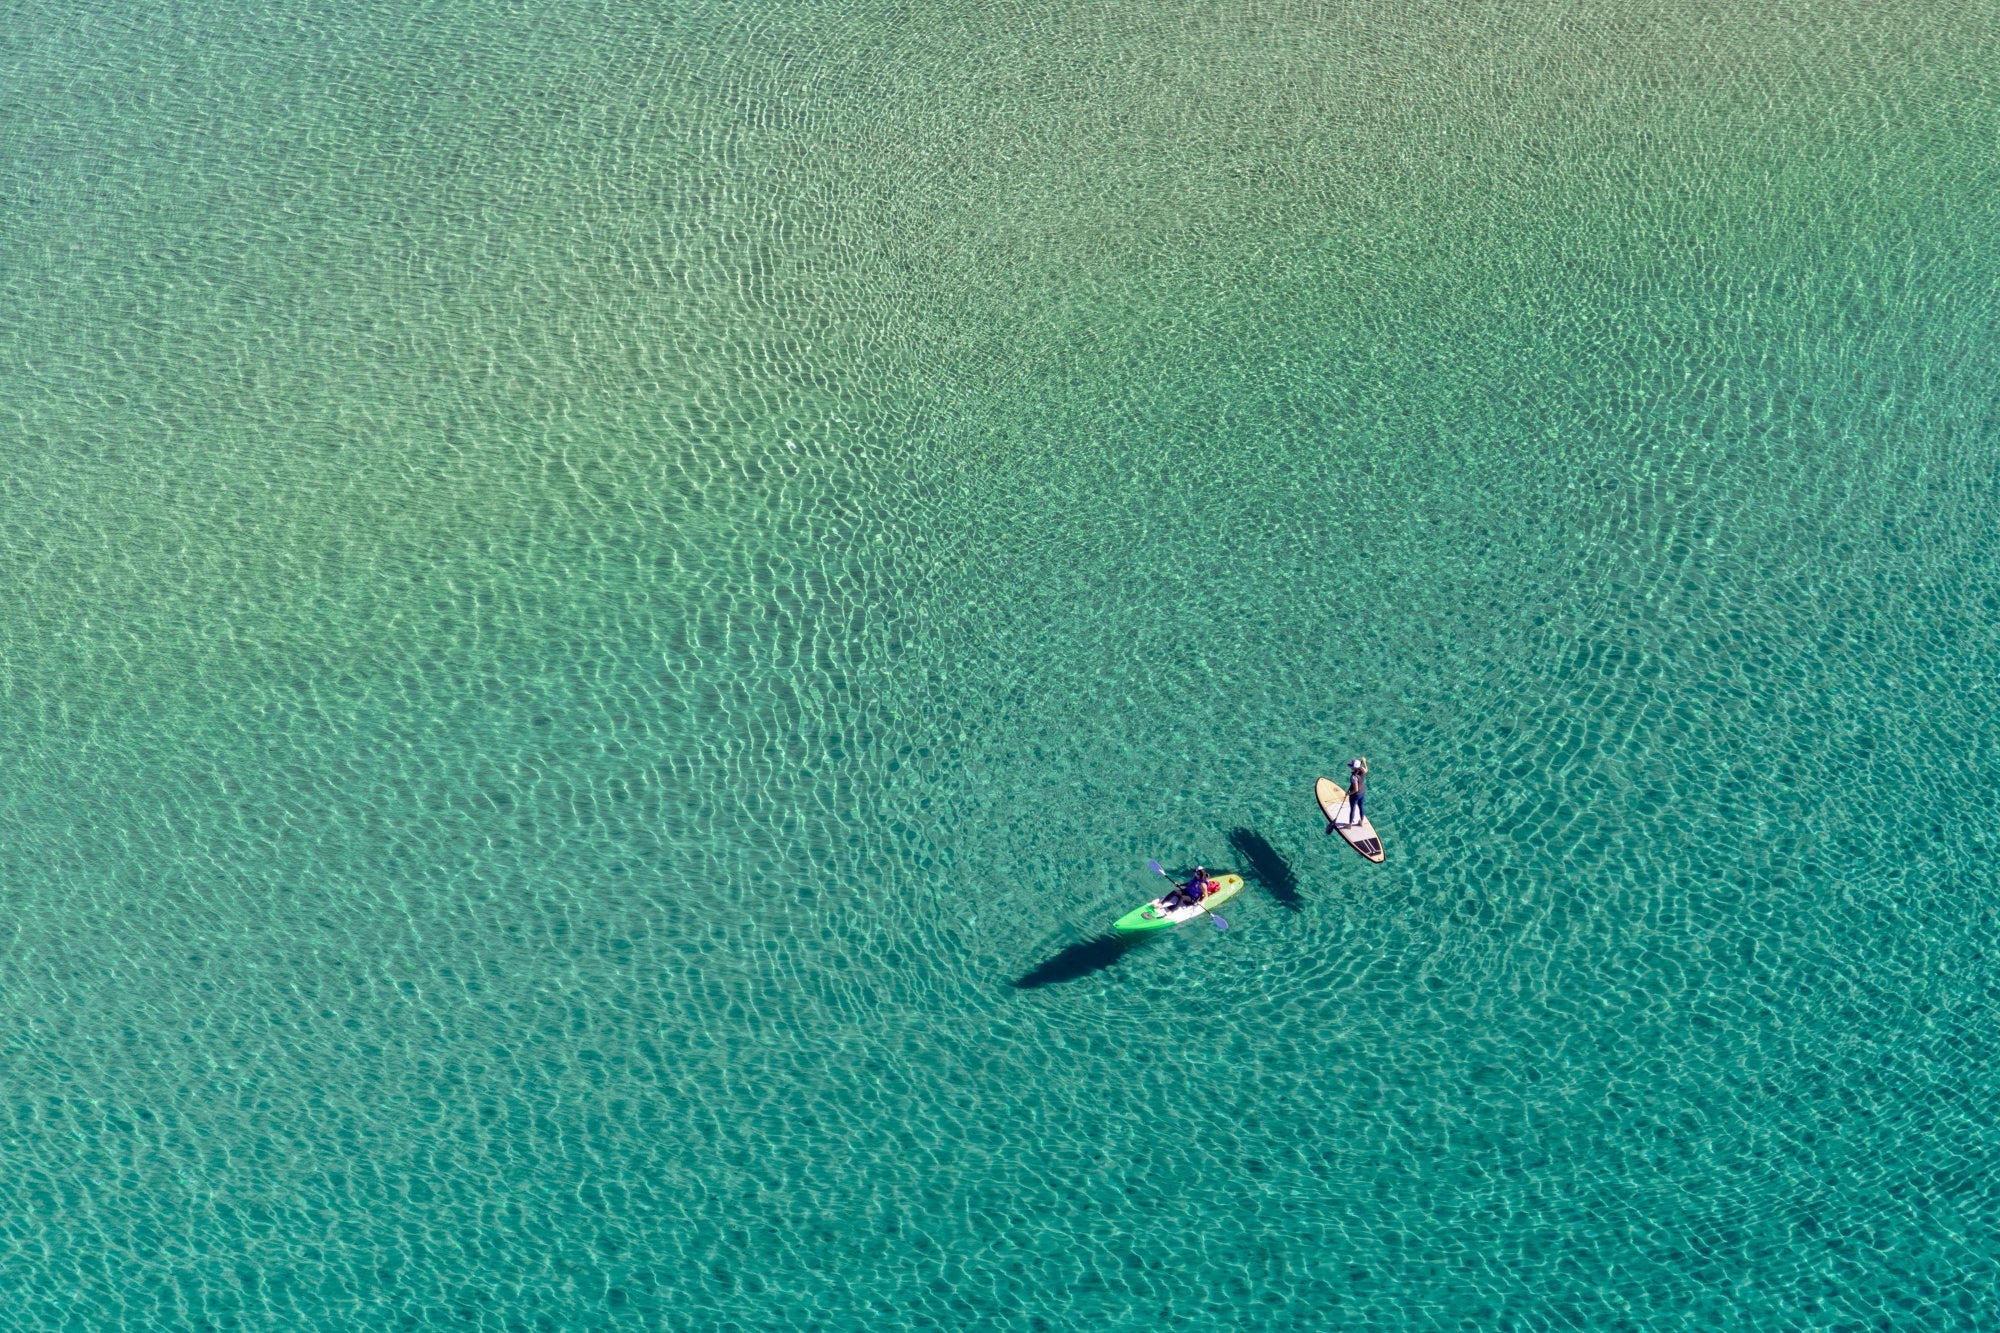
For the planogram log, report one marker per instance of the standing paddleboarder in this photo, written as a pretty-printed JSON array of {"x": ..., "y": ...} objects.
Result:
[
  {"x": 1343, "y": 808},
  {"x": 1357, "y": 792}
]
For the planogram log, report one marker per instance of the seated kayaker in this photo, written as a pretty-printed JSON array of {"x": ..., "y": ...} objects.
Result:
[{"x": 1192, "y": 892}]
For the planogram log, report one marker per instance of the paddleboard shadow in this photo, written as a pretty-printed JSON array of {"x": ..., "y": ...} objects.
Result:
[{"x": 1267, "y": 867}]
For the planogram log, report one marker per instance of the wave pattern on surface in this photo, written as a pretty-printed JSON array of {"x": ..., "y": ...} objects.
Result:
[{"x": 607, "y": 600}]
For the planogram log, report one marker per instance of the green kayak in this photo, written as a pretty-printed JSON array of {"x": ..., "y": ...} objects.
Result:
[{"x": 1156, "y": 915}]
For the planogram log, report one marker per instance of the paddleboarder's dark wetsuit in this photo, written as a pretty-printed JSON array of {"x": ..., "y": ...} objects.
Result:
[{"x": 1356, "y": 793}]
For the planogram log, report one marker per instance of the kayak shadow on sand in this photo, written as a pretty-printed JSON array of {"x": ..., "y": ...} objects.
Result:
[
  {"x": 1267, "y": 867},
  {"x": 1077, "y": 961}
]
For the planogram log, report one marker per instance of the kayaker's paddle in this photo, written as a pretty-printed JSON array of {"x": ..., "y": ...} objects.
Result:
[{"x": 1216, "y": 917}]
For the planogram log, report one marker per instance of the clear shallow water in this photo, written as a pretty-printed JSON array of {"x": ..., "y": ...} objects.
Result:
[{"x": 604, "y": 604}]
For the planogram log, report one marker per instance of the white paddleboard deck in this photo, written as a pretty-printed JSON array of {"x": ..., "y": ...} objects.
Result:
[{"x": 1333, "y": 803}]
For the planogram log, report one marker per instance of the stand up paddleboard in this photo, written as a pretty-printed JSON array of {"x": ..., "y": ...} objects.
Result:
[
  {"x": 1361, "y": 837},
  {"x": 1156, "y": 915}
]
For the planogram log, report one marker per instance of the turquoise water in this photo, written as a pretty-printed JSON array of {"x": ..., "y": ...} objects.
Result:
[{"x": 604, "y": 602}]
